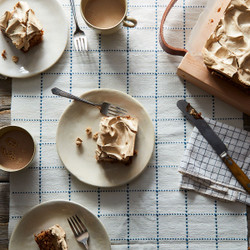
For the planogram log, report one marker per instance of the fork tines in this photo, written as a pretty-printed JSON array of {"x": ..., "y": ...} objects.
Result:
[
  {"x": 116, "y": 111},
  {"x": 76, "y": 225},
  {"x": 81, "y": 44}
]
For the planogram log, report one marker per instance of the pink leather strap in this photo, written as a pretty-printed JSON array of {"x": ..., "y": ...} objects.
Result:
[{"x": 165, "y": 46}]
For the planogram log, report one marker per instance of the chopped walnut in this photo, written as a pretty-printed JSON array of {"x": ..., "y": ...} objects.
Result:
[
  {"x": 88, "y": 131},
  {"x": 135, "y": 152},
  {"x": 15, "y": 59},
  {"x": 193, "y": 112},
  {"x": 95, "y": 136},
  {"x": 78, "y": 141},
  {"x": 4, "y": 54}
]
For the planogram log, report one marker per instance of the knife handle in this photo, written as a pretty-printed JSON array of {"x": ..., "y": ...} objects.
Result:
[{"x": 237, "y": 172}]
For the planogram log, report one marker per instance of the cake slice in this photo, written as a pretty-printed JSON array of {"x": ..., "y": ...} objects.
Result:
[
  {"x": 22, "y": 27},
  {"x": 52, "y": 239},
  {"x": 227, "y": 51},
  {"x": 116, "y": 139}
]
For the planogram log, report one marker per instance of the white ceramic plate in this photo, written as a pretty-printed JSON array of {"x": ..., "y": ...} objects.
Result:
[
  {"x": 41, "y": 57},
  {"x": 80, "y": 161},
  {"x": 47, "y": 214}
]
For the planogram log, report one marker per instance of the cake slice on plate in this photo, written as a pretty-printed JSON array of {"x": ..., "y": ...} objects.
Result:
[
  {"x": 22, "y": 27},
  {"x": 116, "y": 139},
  {"x": 53, "y": 238}
]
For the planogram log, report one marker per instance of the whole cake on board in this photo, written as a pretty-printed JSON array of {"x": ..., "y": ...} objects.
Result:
[{"x": 227, "y": 51}]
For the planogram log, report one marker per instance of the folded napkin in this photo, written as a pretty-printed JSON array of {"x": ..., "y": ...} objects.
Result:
[{"x": 203, "y": 170}]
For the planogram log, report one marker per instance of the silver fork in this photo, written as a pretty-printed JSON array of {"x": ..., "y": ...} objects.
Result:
[
  {"x": 79, "y": 230},
  {"x": 106, "y": 108},
  {"x": 80, "y": 39}
]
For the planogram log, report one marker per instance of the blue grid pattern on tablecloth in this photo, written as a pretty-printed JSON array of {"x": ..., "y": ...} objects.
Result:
[{"x": 150, "y": 212}]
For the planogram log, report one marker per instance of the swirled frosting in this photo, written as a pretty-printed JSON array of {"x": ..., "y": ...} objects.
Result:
[
  {"x": 227, "y": 51},
  {"x": 116, "y": 138},
  {"x": 60, "y": 235},
  {"x": 21, "y": 25}
]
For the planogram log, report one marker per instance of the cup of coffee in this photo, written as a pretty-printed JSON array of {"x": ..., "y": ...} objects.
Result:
[
  {"x": 17, "y": 148},
  {"x": 106, "y": 16}
]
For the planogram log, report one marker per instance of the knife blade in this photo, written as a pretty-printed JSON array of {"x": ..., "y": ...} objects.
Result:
[{"x": 217, "y": 144}]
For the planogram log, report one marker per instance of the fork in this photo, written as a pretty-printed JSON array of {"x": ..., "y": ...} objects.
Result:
[
  {"x": 79, "y": 37},
  {"x": 79, "y": 230},
  {"x": 106, "y": 108}
]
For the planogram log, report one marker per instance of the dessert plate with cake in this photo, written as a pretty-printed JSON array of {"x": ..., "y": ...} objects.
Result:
[
  {"x": 105, "y": 151},
  {"x": 47, "y": 222},
  {"x": 33, "y": 36}
]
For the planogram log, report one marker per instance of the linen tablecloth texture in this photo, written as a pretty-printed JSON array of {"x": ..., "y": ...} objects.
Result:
[
  {"x": 151, "y": 212},
  {"x": 204, "y": 171}
]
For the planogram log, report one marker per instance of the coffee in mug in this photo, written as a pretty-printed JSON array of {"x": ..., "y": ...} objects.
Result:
[
  {"x": 17, "y": 148},
  {"x": 106, "y": 16}
]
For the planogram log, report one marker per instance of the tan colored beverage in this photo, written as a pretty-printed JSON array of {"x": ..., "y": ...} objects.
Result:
[
  {"x": 16, "y": 149},
  {"x": 104, "y": 13},
  {"x": 106, "y": 16}
]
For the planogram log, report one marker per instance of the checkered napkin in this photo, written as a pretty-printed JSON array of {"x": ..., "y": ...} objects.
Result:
[{"x": 203, "y": 170}]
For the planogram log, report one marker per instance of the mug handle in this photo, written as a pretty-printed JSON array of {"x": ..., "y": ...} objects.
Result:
[
  {"x": 129, "y": 22},
  {"x": 165, "y": 46}
]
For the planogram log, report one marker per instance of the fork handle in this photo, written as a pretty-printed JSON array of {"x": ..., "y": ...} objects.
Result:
[
  {"x": 72, "y": 3},
  {"x": 59, "y": 92}
]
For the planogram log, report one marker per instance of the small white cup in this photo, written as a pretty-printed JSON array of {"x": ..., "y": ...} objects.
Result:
[
  {"x": 106, "y": 16},
  {"x": 17, "y": 148}
]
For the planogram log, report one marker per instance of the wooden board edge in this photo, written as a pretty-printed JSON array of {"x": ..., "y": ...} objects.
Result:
[{"x": 195, "y": 71}]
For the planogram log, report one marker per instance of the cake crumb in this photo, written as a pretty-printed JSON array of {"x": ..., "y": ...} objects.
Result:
[
  {"x": 95, "y": 136},
  {"x": 4, "y": 54},
  {"x": 78, "y": 141},
  {"x": 193, "y": 112},
  {"x": 15, "y": 59},
  {"x": 88, "y": 131}
]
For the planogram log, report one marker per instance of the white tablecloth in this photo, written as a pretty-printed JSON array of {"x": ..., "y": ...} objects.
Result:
[{"x": 150, "y": 212}]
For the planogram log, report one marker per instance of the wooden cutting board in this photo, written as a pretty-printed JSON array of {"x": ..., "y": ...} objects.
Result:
[{"x": 194, "y": 70}]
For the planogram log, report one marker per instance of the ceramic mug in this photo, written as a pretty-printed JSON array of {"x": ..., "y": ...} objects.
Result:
[
  {"x": 17, "y": 148},
  {"x": 106, "y": 16}
]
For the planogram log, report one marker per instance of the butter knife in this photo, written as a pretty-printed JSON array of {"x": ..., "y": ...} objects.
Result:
[{"x": 219, "y": 147}]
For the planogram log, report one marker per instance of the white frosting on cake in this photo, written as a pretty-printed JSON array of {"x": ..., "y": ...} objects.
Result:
[
  {"x": 57, "y": 231},
  {"x": 227, "y": 51},
  {"x": 21, "y": 25},
  {"x": 116, "y": 138}
]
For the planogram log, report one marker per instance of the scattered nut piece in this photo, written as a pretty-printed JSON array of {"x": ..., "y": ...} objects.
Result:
[
  {"x": 88, "y": 131},
  {"x": 193, "y": 112},
  {"x": 4, "y": 54},
  {"x": 135, "y": 152},
  {"x": 15, "y": 59},
  {"x": 78, "y": 141},
  {"x": 95, "y": 136}
]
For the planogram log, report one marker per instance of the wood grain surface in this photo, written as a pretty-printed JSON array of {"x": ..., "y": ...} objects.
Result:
[
  {"x": 193, "y": 69},
  {"x": 5, "y": 107}
]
